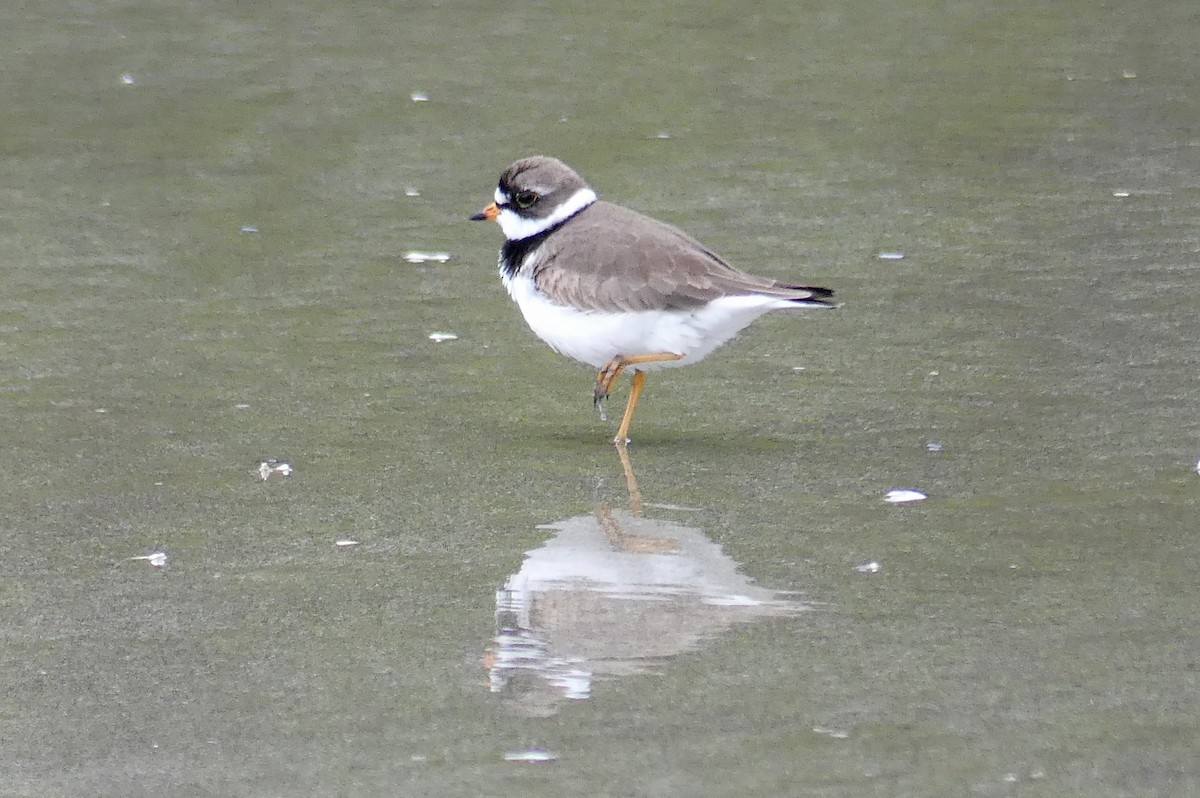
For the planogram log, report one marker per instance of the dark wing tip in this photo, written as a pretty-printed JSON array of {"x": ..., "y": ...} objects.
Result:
[{"x": 816, "y": 296}]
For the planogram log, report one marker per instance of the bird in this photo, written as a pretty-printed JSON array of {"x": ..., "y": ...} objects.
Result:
[{"x": 615, "y": 289}]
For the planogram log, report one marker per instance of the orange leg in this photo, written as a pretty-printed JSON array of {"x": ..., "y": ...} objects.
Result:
[
  {"x": 635, "y": 390},
  {"x": 613, "y": 368},
  {"x": 608, "y": 375}
]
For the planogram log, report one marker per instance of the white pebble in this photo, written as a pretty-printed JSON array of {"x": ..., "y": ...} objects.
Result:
[
  {"x": 904, "y": 495},
  {"x": 425, "y": 257},
  {"x": 836, "y": 734},
  {"x": 532, "y": 755},
  {"x": 268, "y": 467}
]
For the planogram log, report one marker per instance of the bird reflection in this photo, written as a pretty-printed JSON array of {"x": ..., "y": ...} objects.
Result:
[{"x": 614, "y": 593}]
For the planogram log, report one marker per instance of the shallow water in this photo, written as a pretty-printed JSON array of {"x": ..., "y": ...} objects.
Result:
[{"x": 205, "y": 217}]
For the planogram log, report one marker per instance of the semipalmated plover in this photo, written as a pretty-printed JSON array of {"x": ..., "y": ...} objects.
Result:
[{"x": 612, "y": 288}]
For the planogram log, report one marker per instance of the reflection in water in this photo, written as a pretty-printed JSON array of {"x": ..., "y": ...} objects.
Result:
[{"x": 614, "y": 593}]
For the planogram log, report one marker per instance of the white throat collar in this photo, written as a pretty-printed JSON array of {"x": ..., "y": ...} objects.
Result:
[{"x": 517, "y": 227}]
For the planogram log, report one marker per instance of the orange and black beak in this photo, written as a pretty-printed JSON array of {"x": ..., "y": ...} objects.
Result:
[{"x": 489, "y": 213}]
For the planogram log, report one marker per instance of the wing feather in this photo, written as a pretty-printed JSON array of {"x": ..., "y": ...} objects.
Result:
[{"x": 618, "y": 244}]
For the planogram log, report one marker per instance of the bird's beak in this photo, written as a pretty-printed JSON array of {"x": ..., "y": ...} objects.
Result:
[{"x": 489, "y": 213}]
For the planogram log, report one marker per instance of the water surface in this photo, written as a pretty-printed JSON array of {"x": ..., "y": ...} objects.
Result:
[{"x": 204, "y": 220}]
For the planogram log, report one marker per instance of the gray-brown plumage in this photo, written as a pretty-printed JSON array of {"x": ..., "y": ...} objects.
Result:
[
  {"x": 613, "y": 288},
  {"x": 621, "y": 244},
  {"x": 634, "y": 262}
]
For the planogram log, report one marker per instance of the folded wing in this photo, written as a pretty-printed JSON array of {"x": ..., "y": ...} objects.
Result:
[{"x": 636, "y": 263}]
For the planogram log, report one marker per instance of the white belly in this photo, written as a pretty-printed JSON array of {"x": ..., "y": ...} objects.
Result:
[{"x": 596, "y": 337}]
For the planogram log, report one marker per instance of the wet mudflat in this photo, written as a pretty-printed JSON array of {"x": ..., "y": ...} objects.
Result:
[{"x": 230, "y": 232}]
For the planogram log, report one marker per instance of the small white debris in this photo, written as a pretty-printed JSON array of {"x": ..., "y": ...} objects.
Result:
[
  {"x": 532, "y": 755},
  {"x": 425, "y": 257},
  {"x": 891, "y": 256},
  {"x": 249, "y": 228},
  {"x": 904, "y": 495},
  {"x": 871, "y": 567},
  {"x": 1120, "y": 193},
  {"x": 438, "y": 337},
  {"x": 797, "y": 368},
  {"x": 268, "y": 467},
  {"x": 420, "y": 97},
  {"x": 127, "y": 79},
  {"x": 1128, "y": 74},
  {"x": 241, "y": 406},
  {"x": 1198, "y": 466},
  {"x": 681, "y": 508},
  {"x": 934, "y": 446},
  {"x": 834, "y": 733},
  {"x": 345, "y": 543},
  {"x": 412, "y": 191},
  {"x": 662, "y": 134},
  {"x": 101, "y": 410},
  {"x": 158, "y": 559}
]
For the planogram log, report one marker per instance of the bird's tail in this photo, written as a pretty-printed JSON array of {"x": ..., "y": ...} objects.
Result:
[{"x": 810, "y": 296}]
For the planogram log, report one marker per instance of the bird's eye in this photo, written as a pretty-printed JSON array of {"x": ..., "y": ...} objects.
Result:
[{"x": 525, "y": 199}]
